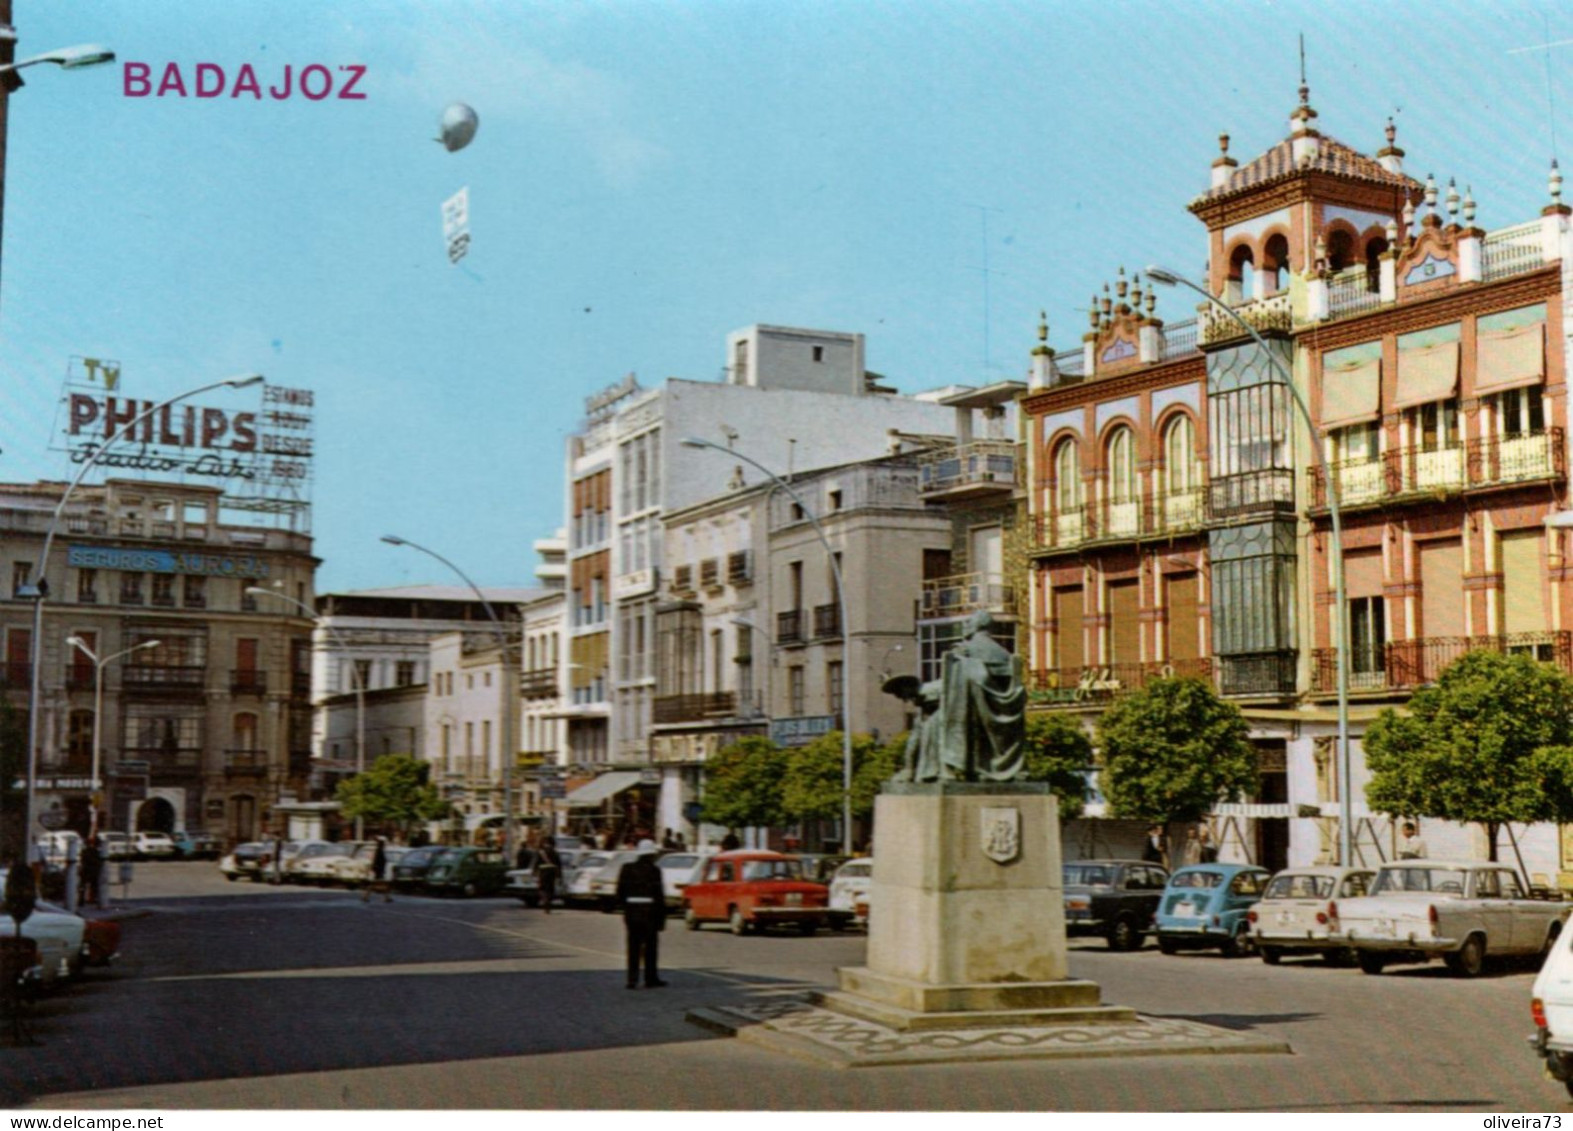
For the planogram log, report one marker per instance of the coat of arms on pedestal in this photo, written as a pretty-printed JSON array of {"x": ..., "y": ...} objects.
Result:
[{"x": 1001, "y": 834}]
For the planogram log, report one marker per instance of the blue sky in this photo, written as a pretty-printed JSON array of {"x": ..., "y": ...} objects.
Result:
[{"x": 647, "y": 177}]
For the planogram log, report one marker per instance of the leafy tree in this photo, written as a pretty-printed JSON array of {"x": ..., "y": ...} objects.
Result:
[
  {"x": 1059, "y": 752},
  {"x": 396, "y": 790},
  {"x": 872, "y": 767},
  {"x": 743, "y": 784},
  {"x": 1173, "y": 750},
  {"x": 812, "y": 785},
  {"x": 1491, "y": 742}
]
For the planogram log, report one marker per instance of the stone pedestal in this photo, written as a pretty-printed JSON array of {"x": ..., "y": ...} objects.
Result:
[{"x": 966, "y": 913}]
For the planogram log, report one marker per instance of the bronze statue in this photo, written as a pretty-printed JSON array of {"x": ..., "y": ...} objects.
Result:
[{"x": 974, "y": 717}]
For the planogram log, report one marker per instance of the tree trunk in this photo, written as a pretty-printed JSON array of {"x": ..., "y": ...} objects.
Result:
[{"x": 1492, "y": 828}]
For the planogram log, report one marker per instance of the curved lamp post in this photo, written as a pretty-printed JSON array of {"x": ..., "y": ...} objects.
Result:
[
  {"x": 39, "y": 589},
  {"x": 66, "y": 58},
  {"x": 98, "y": 709},
  {"x": 846, "y": 629},
  {"x": 1340, "y": 612},
  {"x": 355, "y": 679},
  {"x": 510, "y": 685}
]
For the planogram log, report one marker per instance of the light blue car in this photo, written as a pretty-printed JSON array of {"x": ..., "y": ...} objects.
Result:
[{"x": 1204, "y": 906}]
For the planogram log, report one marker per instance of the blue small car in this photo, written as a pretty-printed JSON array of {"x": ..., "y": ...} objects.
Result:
[{"x": 1204, "y": 905}]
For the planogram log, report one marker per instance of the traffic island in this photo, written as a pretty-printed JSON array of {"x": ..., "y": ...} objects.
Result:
[{"x": 966, "y": 950}]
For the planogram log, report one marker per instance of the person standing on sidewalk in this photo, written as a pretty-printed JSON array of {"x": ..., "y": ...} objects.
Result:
[
  {"x": 643, "y": 899},
  {"x": 548, "y": 867},
  {"x": 379, "y": 874}
]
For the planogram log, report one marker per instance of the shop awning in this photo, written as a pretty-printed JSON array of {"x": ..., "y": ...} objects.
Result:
[
  {"x": 1426, "y": 374},
  {"x": 1352, "y": 394},
  {"x": 607, "y": 785}
]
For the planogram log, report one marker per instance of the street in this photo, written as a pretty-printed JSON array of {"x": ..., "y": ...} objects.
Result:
[{"x": 247, "y": 996}]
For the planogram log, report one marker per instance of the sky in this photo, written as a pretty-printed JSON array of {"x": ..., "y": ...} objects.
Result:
[{"x": 647, "y": 177}]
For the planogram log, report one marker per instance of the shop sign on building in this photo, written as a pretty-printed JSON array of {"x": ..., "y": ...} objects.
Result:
[
  {"x": 141, "y": 560},
  {"x": 802, "y": 730}
]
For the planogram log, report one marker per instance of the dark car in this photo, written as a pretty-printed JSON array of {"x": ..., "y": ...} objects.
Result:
[
  {"x": 1114, "y": 899},
  {"x": 467, "y": 871},
  {"x": 410, "y": 871}
]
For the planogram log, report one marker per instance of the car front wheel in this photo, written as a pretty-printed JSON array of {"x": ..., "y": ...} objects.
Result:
[
  {"x": 738, "y": 924},
  {"x": 1370, "y": 963},
  {"x": 690, "y": 920},
  {"x": 1236, "y": 946},
  {"x": 1272, "y": 955},
  {"x": 1168, "y": 946},
  {"x": 1124, "y": 936}
]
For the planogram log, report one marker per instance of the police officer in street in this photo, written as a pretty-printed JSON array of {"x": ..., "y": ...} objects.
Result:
[{"x": 643, "y": 900}]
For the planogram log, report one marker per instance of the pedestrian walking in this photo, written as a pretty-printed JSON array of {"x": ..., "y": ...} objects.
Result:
[
  {"x": 379, "y": 875},
  {"x": 1411, "y": 846},
  {"x": 92, "y": 872},
  {"x": 1152, "y": 852},
  {"x": 548, "y": 867},
  {"x": 643, "y": 899}
]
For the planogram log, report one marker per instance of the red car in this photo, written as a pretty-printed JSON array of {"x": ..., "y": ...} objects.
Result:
[{"x": 751, "y": 890}]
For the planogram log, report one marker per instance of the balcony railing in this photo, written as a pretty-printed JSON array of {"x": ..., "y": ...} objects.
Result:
[
  {"x": 157, "y": 677},
  {"x": 538, "y": 684},
  {"x": 981, "y": 466},
  {"x": 1367, "y": 669},
  {"x": 248, "y": 681},
  {"x": 165, "y": 757},
  {"x": 1422, "y": 469},
  {"x": 1251, "y": 493},
  {"x": 81, "y": 677},
  {"x": 1501, "y": 460},
  {"x": 1355, "y": 290},
  {"x": 1099, "y": 683},
  {"x": 1414, "y": 663},
  {"x": 1513, "y": 251},
  {"x": 1177, "y": 512},
  {"x": 739, "y": 568},
  {"x": 247, "y": 761},
  {"x": 1262, "y": 673},
  {"x": 789, "y": 627},
  {"x": 827, "y": 621},
  {"x": 1066, "y": 528},
  {"x": 966, "y": 593},
  {"x": 1264, "y": 315},
  {"x": 1358, "y": 481},
  {"x": 300, "y": 684},
  {"x": 694, "y": 708}
]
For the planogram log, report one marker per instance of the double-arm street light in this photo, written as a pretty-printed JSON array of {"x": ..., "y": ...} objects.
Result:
[
  {"x": 38, "y": 590},
  {"x": 510, "y": 686},
  {"x": 1340, "y": 612},
  {"x": 80, "y": 645},
  {"x": 356, "y": 680},
  {"x": 841, "y": 613}
]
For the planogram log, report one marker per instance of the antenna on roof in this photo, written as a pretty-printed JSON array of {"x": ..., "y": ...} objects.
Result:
[{"x": 1551, "y": 102}]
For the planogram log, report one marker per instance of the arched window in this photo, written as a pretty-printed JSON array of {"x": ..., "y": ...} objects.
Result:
[
  {"x": 1275, "y": 264},
  {"x": 1067, "y": 477},
  {"x": 1182, "y": 475},
  {"x": 1374, "y": 247},
  {"x": 1340, "y": 250},
  {"x": 1119, "y": 484},
  {"x": 1241, "y": 285}
]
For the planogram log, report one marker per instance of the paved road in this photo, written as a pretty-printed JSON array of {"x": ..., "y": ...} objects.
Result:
[{"x": 246, "y": 996}]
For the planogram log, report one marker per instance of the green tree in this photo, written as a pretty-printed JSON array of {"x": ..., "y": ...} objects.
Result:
[
  {"x": 871, "y": 769},
  {"x": 1173, "y": 750},
  {"x": 394, "y": 791},
  {"x": 1491, "y": 742},
  {"x": 812, "y": 785},
  {"x": 743, "y": 784},
  {"x": 1059, "y": 752}
]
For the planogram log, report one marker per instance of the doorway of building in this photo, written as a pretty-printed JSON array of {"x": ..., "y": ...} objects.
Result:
[{"x": 156, "y": 816}]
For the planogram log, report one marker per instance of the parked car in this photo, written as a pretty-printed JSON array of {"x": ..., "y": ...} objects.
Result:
[
  {"x": 56, "y": 847},
  {"x": 61, "y": 938},
  {"x": 1112, "y": 899},
  {"x": 1461, "y": 911},
  {"x": 603, "y": 884},
  {"x": 1298, "y": 913},
  {"x": 117, "y": 846},
  {"x": 355, "y": 869},
  {"x": 576, "y": 880},
  {"x": 152, "y": 845},
  {"x": 753, "y": 889},
  {"x": 248, "y": 861},
  {"x": 849, "y": 888},
  {"x": 1204, "y": 905},
  {"x": 195, "y": 846},
  {"x": 821, "y": 867},
  {"x": 316, "y": 863},
  {"x": 1551, "y": 1007},
  {"x": 410, "y": 871},
  {"x": 467, "y": 872},
  {"x": 678, "y": 870},
  {"x": 100, "y": 937}
]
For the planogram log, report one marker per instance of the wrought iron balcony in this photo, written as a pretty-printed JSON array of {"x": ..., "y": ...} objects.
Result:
[
  {"x": 1265, "y": 315},
  {"x": 1368, "y": 669},
  {"x": 1177, "y": 512},
  {"x": 1354, "y": 290},
  {"x": 246, "y": 762},
  {"x": 827, "y": 621},
  {"x": 540, "y": 683},
  {"x": 975, "y": 470},
  {"x": 1505, "y": 460},
  {"x": 166, "y": 757},
  {"x": 966, "y": 593},
  {"x": 1065, "y": 528},
  {"x": 1261, "y": 673},
  {"x": 694, "y": 708},
  {"x": 789, "y": 627},
  {"x": 1359, "y": 482},
  {"x": 1414, "y": 663},
  {"x": 248, "y": 681},
  {"x": 163, "y": 677},
  {"x": 1251, "y": 493}
]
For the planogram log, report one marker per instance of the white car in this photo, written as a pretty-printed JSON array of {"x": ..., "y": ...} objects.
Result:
[
  {"x": 576, "y": 883},
  {"x": 296, "y": 864},
  {"x": 849, "y": 889},
  {"x": 602, "y": 888},
  {"x": 61, "y": 938},
  {"x": 117, "y": 846},
  {"x": 1298, "y": 913},
  {"x": 678, "y": 870},
  {"x": 1551, "y": 1007},
  {"x": 152, "y": 844},
  {"x": 321, "y": 867},
  {"x": 355, "y": 869}
]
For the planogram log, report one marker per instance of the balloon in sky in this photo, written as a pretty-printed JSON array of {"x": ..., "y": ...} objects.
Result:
[{"x": 459, "y": 124}]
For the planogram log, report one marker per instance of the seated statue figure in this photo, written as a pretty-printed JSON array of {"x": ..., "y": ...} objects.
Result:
[{"x": 974, "y": 719}]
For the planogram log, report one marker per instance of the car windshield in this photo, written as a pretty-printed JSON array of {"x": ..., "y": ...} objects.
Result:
[
  {"x": 1195, "y": 879},
  {"x": 1287, "y": 885},
  {"x": 1093, "y": 875},
  {"x": 420, "y": 856},
  {"x": 1397, "y": 877},
  {"x": 678, "y": 861},
  {"x": 772, "y": 870},
  {"x": 590, "y": 863}
]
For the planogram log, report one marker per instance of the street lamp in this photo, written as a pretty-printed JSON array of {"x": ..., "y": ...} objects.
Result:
[
  {"x": 1340, "y": 612},
  {"x": 98, "y": 709},
  {"x": 510, "y": 686},
  {"x": 66, "y": 58},
  {"x": 846, "y": 628},
  {"x": 355, "y": 678},
  {"x": 39, "y": 589}
]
